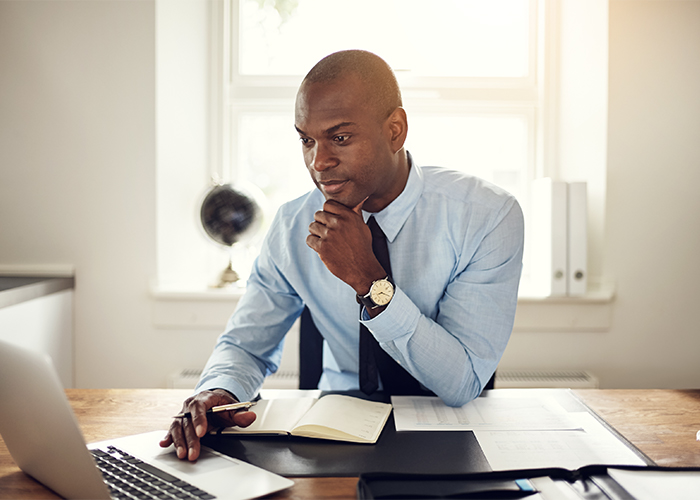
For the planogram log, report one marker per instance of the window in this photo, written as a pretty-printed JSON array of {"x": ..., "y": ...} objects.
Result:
[
  {"x": 440, "y": 38},
  {"x": 468, "y": 70},
  {"x": 215, "y": 118}
]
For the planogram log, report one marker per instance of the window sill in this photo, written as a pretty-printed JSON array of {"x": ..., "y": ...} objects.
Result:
[
  {"x": 591, "y": 312},
  {"x": 210, "y": 308},
  {"x": 193, "y": 308}
]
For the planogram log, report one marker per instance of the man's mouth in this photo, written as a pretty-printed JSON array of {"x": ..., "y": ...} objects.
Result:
[{"x": 332, "y": 187}]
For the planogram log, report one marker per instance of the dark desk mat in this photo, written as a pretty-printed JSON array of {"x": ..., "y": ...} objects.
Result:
[{"x": 415, "y": 452}]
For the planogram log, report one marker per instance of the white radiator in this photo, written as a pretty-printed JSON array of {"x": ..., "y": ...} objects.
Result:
[
  {"x": 187, "y": 378},
  {"x": 506, "y": 379}
]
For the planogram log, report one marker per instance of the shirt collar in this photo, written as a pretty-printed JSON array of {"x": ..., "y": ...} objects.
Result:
[{"x": 392, "y": 218}]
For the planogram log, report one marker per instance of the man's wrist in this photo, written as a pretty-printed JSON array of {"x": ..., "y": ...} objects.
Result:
[
  {"x": 379, "y": 295},
  {"x": 225, "y": 392},
  {"x": 373, "y": 313},
  {"x": 364, "y": 283}
]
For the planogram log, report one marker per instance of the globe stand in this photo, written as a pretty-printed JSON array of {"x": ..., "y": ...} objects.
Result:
[
  {"x": 229, "y": 216},
  {"x": 228, "y": 276}
]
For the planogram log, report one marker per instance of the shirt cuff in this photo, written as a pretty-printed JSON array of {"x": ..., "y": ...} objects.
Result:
[
  {"x": 398, "y": 319},
  {"x": 227, "y": 384}
]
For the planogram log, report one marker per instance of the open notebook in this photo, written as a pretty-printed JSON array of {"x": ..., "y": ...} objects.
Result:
[
  {"x": 43, "y": 437},
  {"x": 335, "y": 417}
]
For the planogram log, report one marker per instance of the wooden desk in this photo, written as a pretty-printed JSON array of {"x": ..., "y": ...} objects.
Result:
[{"x": 661, "y": 423}]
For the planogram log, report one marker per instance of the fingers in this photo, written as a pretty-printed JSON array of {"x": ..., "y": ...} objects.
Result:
[
  {"x": 320, "y": 226},
  {"x": 337, "y": 208},
  {"x": 332, "y": 216},
  {"x": 313, "y": 242},
  {"x": 198, "y": 410},
  {"x": 185, "y": 432},
  {"x": 358, "y": 208},
  {"x": 176, "y": 437},
  {"x": 182, "y": 434},
  {"x": 318, "y": 229},
  {"x": 191, "y": 438},
  {"x": 343, "y": 241},
  {"x": 239, "y": 418},
  {"x": 244, "y": 418},
  {"x": 166, "y": 441}
]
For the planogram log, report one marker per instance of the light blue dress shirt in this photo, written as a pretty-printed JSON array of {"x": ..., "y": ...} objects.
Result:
[{"x": 455, "y": 245}]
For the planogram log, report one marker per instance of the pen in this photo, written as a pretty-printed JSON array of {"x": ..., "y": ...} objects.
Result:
[{"x": 214, "y": 409}]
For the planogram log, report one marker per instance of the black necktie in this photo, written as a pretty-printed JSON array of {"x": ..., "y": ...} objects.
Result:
[{"x": 374, "y": 360}]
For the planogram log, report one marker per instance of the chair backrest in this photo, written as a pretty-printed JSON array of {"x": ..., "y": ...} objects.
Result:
[
  {"x": 491, "y": 383},
  {"x": 310, "y": 352}
]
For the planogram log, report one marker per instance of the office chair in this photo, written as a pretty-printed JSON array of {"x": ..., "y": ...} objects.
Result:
[
  {"x": 311, "y": 354},
  {"x": 491, "y": 383}
]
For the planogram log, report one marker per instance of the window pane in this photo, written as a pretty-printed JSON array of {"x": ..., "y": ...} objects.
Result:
[
  {"x": 269, "y": 156},
  {"x": 464, "y": 38},
  {"x": 493, "y": 147}
]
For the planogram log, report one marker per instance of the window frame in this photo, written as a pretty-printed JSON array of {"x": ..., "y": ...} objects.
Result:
[
  {"x": 529, "y": 97},
  {"x": 179, "y": 185}
]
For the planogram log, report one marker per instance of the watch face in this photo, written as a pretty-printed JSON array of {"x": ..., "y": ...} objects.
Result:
[{"x": 382, "y": 292}]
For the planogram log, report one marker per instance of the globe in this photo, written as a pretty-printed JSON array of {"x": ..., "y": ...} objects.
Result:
[{"x": 229, "y": 216}]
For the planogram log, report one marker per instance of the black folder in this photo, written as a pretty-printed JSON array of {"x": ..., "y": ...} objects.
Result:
[
  {"x": 591, "y": 482},
  {"x": 407, "y": 451},
  {"x": 415, "y": 452}
]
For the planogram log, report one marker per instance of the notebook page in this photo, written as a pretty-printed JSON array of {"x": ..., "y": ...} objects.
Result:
[{"x": 354, "y": 416}]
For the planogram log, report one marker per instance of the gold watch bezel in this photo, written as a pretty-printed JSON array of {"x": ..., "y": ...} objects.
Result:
[{"x": 381, "y": 292}]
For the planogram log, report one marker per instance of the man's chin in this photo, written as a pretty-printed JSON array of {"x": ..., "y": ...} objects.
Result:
[{"x": 343, "y": 200}]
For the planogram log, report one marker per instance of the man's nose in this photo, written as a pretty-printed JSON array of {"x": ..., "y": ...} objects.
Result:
[{"x": 323, "y": 158}]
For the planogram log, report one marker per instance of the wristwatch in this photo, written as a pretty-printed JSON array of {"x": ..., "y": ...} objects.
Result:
[{"x": 380, "y": 294}]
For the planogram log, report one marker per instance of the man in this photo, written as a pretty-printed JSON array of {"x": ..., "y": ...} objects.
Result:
[{"x": 441, "y": 304}]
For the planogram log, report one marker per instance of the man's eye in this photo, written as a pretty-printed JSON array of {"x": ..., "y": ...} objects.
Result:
[
  {"x": 340, "y": 139},
  {"x": 305, "y": 141}
]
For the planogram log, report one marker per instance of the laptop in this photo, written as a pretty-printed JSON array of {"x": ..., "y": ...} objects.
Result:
[{"x": 42, "y": 434}]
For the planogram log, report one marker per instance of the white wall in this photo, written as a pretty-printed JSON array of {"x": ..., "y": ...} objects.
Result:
[
  {"x": 77, "y": 169},
  {"x": 653, "y": 236},
  {"x": 652, "y": 228},
  {"x": 582, "y": 111},
  {"x": 78, "y": 115},
  {"x": 182, "y": 95}
]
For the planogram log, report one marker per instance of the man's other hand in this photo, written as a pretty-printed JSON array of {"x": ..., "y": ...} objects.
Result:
[
  {"x": 185, "y": 432},
  {"x": 343, "y": 241}
]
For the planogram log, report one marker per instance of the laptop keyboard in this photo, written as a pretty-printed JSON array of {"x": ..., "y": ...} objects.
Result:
[{"x": 127, "y": 477}]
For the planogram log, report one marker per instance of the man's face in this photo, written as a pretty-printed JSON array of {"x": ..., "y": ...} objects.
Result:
[{"x": 346, "y": 144}]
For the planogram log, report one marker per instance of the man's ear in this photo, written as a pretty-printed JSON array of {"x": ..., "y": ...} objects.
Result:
[{"x": 397, "y": 128}]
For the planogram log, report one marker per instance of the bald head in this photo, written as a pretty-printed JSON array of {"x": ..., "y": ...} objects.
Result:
[{"x": 376, "y": 75}]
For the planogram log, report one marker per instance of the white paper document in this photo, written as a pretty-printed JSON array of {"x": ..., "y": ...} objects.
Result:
[
  {"x": 412, "y": 413},
  {"x": 569, "y": 449},
  {"x": 658, "y": 485}
]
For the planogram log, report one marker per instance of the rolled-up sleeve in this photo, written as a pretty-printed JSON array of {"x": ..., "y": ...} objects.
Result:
[{"x": 455, "y": 352}]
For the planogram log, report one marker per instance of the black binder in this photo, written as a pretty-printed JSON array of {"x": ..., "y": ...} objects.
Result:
[{"x": 591, "y": 482}]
